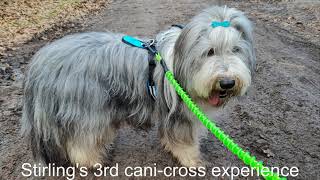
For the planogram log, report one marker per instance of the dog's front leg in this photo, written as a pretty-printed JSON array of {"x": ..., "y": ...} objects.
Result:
[{"x": 182, "y": 139}]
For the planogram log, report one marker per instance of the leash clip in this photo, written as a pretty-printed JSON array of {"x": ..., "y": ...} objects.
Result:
[
  {"x": 150, "y": 46},
  {"x": 151, "y": 42}
]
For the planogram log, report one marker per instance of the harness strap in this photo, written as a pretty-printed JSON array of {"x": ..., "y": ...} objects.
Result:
[
  {"x": 151, "y": 85},
  {"x": 178, "y": 26},
  {"x": 150, "y": 46}
]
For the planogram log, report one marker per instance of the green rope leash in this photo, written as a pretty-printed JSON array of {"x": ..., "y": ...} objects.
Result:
[{"x": 225, "y": 139}]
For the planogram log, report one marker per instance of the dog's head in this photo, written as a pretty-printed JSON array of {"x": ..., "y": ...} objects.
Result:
[{"x": 214, "y": 56}]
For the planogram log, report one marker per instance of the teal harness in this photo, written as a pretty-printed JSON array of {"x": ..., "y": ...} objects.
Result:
[{"x": 151, "y": 47}]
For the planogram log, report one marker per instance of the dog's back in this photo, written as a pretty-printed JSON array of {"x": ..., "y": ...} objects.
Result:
[{"x": 77, "y": 85}]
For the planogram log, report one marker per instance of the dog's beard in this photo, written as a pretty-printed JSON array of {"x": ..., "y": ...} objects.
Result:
[{"x": 205, "y": 84}]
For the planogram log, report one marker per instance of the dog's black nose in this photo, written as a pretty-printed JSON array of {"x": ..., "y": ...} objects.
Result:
[{"x": 227, "y": 83}]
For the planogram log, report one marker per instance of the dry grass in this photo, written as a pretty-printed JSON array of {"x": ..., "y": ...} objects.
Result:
[{"x": 21, "y": 19}]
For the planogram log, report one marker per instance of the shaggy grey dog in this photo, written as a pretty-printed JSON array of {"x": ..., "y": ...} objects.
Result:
[{"x": 81, "y": 88}]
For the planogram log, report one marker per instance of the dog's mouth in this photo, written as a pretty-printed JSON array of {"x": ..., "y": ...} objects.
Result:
[{"x": 217, "y": 98}]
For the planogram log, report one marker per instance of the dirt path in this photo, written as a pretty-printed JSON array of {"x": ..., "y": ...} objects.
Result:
[{"x": 278, "y": 121}]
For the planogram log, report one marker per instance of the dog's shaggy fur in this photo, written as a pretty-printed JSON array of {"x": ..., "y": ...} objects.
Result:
[{"x": 79, "y": 89}]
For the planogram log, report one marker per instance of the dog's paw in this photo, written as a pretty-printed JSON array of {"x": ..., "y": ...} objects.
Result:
[{"x": 188, "y": 161}]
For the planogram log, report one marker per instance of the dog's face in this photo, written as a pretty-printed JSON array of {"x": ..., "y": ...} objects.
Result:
[{"x": 215, "y": 63}]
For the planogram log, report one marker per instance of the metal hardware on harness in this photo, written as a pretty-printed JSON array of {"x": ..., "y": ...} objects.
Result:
[{"x": 150, "y": 46}]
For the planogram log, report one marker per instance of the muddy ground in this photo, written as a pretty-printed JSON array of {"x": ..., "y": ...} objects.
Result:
[{"x": 278, "y": 121}]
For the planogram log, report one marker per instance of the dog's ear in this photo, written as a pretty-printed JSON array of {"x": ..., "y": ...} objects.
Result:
[
  {"x": 246, "y": 34},
  {"x": 242, "y": 24}
]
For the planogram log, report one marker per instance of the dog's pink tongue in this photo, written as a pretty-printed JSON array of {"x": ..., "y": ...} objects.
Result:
[{"x": 214, "y": 99}]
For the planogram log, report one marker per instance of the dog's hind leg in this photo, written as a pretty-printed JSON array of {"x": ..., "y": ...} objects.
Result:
[
  {"x": 182, "y": 139},
  {"x": 90, "y": 149}
]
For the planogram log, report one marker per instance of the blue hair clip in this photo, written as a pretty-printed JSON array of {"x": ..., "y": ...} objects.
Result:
[{"x": 222, "y": 24}]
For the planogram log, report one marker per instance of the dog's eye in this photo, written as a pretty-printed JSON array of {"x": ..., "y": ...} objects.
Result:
[
  {"x": 236, "y": 50},
  {"x": 210, "y": 52}
]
